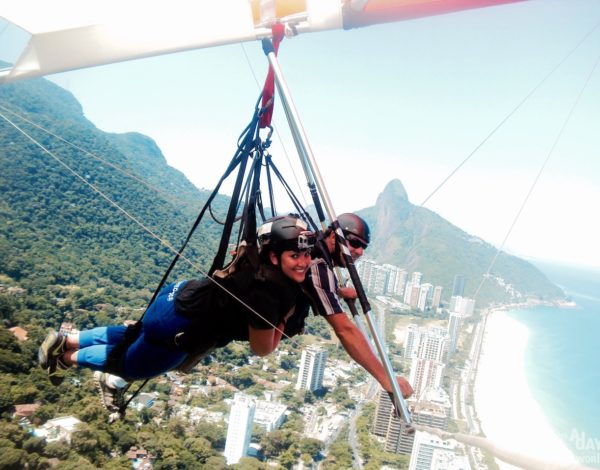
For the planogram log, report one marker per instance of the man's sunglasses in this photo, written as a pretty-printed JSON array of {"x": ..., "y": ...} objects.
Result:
[{"x": 356, "y": 243}]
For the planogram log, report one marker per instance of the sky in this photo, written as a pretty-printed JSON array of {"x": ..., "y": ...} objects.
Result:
[{"x": 409, "y": 101}]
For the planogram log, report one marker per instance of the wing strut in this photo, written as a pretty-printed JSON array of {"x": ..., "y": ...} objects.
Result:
[{"x": 313, "y": 176}]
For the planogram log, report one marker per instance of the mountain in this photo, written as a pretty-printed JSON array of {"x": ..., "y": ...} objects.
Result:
[
  {"x": 418, "y": 239},
  {"x": 57, "y": 231}
]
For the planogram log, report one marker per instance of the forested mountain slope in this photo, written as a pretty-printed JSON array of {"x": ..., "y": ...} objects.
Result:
[
  {"x": 56, "y": 231},
  {"x": 418, "y": 239}
]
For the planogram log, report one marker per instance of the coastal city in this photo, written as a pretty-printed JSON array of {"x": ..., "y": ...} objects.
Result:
[
  {"x": 158, "y": 311},
  {"x": 426, "y": 344}
]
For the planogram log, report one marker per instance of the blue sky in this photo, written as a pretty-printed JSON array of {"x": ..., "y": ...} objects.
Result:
[{"x": 407, "y": 100}]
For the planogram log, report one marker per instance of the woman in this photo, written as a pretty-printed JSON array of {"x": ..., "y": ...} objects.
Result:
[{"x": 254, "y": 302}]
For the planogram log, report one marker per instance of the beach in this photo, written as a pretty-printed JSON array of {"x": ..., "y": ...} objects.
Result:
[{"x": 509, "y": 415}]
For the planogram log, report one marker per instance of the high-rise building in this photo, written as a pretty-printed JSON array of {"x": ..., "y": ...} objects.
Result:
[
  {"x": 414, "y": 296},
  {"x": 433, "y": 345},
  {"x": 433, "y": 409},
  {"x": 454, "y": 323},
  {"x": 431, "y": 452},
  {"x": 312, "y": 367},
  {"x": 379, "y": 278},
  {"x": 400, "y": 282},
  {"x": 458, "y": 288},
  {"x": 408, "y": 293},
  {"x": 391, "y": 278},
  {"x": 365, "y": 269},
  {"x": 386, "y": 424},
  {"x": 436, "y": 301},
  {"x": 424, "y": 374},
  {"x": 425, "y": 294},
  {"x": 433, "y": 412},
  {"x": 428, "y": 356},
  {"x": 462, "y": 305},
  {"x": 416, "y": 278},
  {"x": 412, "y": 338},
  {"x": 239, "y": 429}
]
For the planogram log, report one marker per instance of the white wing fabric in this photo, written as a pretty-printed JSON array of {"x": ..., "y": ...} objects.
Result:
[{"x": 73, "y": 34}]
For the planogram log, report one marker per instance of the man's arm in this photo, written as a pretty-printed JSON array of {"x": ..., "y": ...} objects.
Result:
[{"x": 359, "y": 349}]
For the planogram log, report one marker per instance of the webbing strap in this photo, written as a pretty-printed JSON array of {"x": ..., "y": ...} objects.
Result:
[
  {"x": 219, "y": 259},
  {"x": 246, "y": 144},
  {"x": 295, "y": 201},
  {"x": 239, "y": 157},
  {"x": 269, "y": 87}
]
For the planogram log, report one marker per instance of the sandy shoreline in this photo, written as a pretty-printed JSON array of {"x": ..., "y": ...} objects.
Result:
[{"x": 509, "y": 415}]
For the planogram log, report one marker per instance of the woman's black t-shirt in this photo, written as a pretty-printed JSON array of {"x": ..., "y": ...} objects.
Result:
[{"x": 221, "y": 311}]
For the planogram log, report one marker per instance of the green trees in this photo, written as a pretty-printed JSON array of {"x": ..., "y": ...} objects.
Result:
[
  {"x": 276, "y": 442},
  {"x": 339, "y": 457}
]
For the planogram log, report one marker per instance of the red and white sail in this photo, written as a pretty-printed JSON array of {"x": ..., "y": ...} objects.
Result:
[{"x": 73, "y": 34}]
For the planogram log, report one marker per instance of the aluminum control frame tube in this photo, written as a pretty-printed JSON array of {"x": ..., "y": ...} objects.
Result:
[{"x": 313, "y": 174}]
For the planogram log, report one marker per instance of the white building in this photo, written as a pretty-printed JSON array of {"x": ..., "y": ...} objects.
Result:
[
  {"x": 412, "y": 338},
  {"x": 365, "y": 267},
  {"x": 58, "y": 429},
  {"x": 429, "y": 349},
  {"x": 408, "y": 292},
  {"x": 436, "y": 301},
  {"x": 396, "y": 280},
  {"x": 462, "y": 305},
  {"x": 398, "y": 436},
  {"x": 432, "y": 409},
  {"x": 400, "y": 282},
  {"x": 379, "y": 280},
  {"x": 239, "y": 429},
  {"x": 312, "y": 367},
  {"x": 425, "y": 295},
  {"x": 424, "y": 374},
  {"x": 416, "y": 278},
  {"x": 454, "y": 324},
  {"x": 196, "y": 414},
  {"x": 269, "y": 415},
  {"x": 430, "y": 452},
  {"x": 433, "y": 344}
]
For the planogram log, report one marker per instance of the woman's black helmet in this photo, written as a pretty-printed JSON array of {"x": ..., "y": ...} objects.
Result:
[
  {"x": 355, "y": 227},
  {"x": 282, "y": 233}
]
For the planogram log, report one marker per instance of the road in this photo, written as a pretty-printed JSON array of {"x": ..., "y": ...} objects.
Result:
[{"x": 466, "y": 410}]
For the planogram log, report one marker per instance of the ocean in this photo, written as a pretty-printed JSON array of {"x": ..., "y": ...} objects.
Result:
[{"x": 562, "y": 360}]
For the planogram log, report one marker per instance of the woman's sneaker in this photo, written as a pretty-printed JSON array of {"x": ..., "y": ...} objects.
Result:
[
  {"x": 49, "y": 356},
  {"x": 56, "y": 372},
  {"x": 113, "y": 398}
]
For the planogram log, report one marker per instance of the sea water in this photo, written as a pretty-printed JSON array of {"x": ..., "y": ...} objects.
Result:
[{"x": 562, "y": 360}]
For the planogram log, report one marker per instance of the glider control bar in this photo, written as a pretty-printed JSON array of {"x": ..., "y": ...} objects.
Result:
[{"x": 309, "y": 162}]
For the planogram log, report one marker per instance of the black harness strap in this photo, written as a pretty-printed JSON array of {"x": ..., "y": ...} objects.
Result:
[
  {"x": 295, "y": 201},
  {"x": 247, "y": 143}
]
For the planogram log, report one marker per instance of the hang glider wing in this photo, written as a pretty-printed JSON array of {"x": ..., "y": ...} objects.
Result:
[{"x": 70, "y": 34}]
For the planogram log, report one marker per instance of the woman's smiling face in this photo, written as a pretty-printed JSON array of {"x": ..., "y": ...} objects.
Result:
[{"x": 294, "y": 264}]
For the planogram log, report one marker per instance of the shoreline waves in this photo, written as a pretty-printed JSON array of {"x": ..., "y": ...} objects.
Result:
[{"x": 508, "y": 413}]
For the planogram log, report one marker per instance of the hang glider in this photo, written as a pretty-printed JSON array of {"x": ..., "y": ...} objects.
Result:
[{"x": 67, "y": 35}]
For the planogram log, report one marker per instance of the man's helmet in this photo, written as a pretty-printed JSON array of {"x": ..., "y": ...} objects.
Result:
[
  {"x": 355, "y": 228},
  {"x": 287, "y": 232}
]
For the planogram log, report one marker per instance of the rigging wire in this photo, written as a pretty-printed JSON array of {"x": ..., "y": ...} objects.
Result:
[
  {"x": 506, "y": 118},
  {"x": 97, "y": 157},
  {"x": 539, "y": 174},
  {"x": 124, "y": 211}
]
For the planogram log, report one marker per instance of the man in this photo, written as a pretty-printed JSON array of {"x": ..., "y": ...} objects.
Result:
[{"x": 322, "y": 286}]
